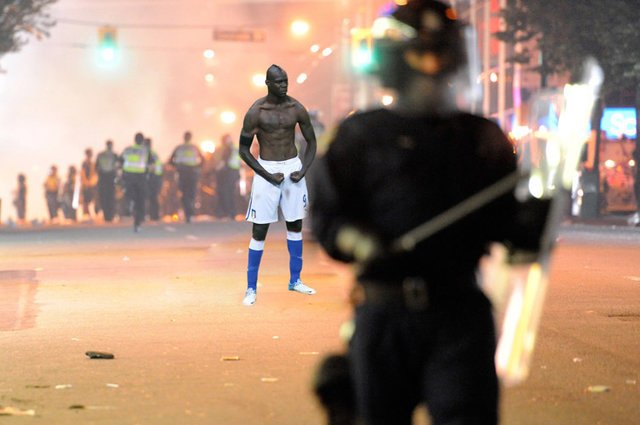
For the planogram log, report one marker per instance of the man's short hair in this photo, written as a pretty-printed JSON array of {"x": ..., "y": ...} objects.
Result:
[{"x": 274, "y": 68}]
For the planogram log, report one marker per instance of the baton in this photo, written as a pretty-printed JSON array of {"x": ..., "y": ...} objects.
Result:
[{"x": 409, "y": 240}]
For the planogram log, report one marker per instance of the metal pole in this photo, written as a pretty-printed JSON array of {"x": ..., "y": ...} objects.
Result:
[
  {"x": 502, "y": 80},
  {"x": 486, "y": 60}
]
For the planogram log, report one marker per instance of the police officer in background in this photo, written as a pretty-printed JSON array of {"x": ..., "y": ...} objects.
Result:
[
  {"x": 188, "y": 161},
  {"x": 154, "y": 183},
  {"x": 107, "y": 167},
  {"x": 424, "y": 330},
  {"x": 227, "y": 178},
  {"x": 135, "y": 161}
]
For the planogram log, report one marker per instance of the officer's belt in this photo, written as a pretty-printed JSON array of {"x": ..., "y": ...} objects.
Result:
[{"x": 416, "y": 292}]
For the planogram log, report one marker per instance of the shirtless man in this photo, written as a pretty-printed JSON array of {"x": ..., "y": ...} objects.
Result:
[{"x": 279, "y": 179}]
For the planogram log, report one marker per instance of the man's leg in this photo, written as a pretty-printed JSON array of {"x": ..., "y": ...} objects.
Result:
[
  {"x": 461, "y": 386},
  {"x": 140, "y": 199},
  {"x": 109, "y": 207},
  {"x": 184, "y": 183},
  {"x": 294, "y": 245},
  {"x": 256, "y": 247}
]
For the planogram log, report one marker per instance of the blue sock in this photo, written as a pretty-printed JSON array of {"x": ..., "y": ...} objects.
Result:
[
  {"x": 252, "y": 269},
  {"x": 295, "y": 259}
]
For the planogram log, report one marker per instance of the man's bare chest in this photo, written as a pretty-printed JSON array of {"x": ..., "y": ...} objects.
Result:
[{"x": 275, "y": 119}]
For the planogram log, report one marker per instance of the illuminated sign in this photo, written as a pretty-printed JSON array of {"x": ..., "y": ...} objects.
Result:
[{"x": 618, "y": 121}]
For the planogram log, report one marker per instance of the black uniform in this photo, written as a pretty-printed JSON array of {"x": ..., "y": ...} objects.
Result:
[
  {"x": 107, "y": 165},
  {"x": 425, "y": 331}
]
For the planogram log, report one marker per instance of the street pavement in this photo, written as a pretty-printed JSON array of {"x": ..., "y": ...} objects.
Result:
[{"x": 166, "y": 303}]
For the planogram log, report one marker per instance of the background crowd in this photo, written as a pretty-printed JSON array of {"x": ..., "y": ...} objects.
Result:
[{"x": 94, "y": 191}]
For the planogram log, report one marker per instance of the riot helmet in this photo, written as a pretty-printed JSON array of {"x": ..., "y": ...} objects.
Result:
[{"x": 421, "y": 36}]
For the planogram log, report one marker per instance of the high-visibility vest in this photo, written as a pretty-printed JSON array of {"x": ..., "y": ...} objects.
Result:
[
  {"x": 187, "y": 154},
  {"x": 234, "y": 159},
  {"x": 88, "y": 175},
  {"x": 135, "y": 159},
  {"x": 52, "y": 184},
  {"x": 106, "y": 162},
  {"x": 156, "y": 167}
]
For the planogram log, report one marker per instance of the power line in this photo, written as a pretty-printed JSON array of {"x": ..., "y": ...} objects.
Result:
[{"x": 138, "y": 26}]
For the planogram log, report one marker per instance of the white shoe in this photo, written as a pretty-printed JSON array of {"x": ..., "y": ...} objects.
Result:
[
  {"x": 298, "y": 286},
  {"x": 249, "y": 297}
]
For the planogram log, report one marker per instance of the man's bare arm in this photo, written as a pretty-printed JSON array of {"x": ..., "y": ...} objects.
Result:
[{"x": 306, "y": 128}]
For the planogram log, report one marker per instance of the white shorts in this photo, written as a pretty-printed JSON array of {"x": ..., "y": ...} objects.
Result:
[{"x": 292, "y": 198}]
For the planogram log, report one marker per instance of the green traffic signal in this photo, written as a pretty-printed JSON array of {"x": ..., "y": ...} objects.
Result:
[
  {"x": 107, "y": 45},
  {"x": 361, "y": 49}
]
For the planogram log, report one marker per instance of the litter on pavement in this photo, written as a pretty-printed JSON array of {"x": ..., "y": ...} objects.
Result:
[
  {"x": 99, "y": 355},
  {"x": 229, "y": 358},
  {"x": 598, "y": 389},
  {"x": 16, "y": 411}
]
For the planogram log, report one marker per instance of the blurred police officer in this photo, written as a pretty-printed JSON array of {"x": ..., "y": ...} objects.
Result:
[
  {"x": 424, "y": 331},
  {"x": 135, "y": 161},
  {"x": 107, "y": 167},
  {"x": 188, "y": 161},
  {"x": 227, "y": 177},
  {"x": 154, "y": 182}
]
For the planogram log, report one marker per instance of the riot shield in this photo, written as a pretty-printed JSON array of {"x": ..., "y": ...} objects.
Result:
[{"x": 548, "y": 158}]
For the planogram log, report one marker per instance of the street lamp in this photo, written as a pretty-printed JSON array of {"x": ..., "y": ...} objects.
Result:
[
  {"x": 258, "y": 80},
  {"x": 228, "y": 117},
  {"x": 300, "y": 28}
]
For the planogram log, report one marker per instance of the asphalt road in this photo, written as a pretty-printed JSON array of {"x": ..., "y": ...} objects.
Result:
[{"x": 167, "y": 303}]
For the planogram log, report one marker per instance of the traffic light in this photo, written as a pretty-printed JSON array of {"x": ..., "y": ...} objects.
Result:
[
  {"x": 107, "y": 45},
  {"x": 361, "y": 49}
]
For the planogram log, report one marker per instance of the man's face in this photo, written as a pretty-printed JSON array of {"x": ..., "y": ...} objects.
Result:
[{"x": 277, "y": 82}]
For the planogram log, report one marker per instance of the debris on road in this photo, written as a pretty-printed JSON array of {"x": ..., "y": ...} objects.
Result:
[
  {"x": 577, "y": 360},
  {"x": 309, "y": 353},
  {"x": 266, "y": 379},
  {"x": 76, "y": 407},
  {"x": 16, "y": 411},
  {"x": 229, "y": 358},
  {"x": 38, "y": 386},
  {"x": 113, "y": 385},
  {"x": 598, "y": 389},
  {"x": 99, "y": 355},
  {"x": 63, "y": 386}
]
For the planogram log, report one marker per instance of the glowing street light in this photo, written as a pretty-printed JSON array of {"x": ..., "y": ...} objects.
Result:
[
  {"x": 208, "y": 146},
  {"x": 209, "y": 54},
  {"x": 258, "y": 80},
  {"x": 228, "y": 117},
  {"x": 387, "y": 100},
  {"x": 300, "y": 28}
]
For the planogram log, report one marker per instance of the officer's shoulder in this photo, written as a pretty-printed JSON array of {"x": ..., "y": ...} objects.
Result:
[
  {"x": 474, "y": 120},
  {"x": 367, "y": 118}
]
